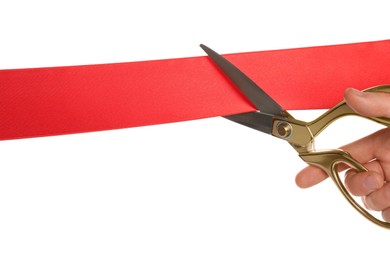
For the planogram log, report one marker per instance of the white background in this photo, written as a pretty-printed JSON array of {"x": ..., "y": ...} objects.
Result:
[{"x": 206, "y": 189}]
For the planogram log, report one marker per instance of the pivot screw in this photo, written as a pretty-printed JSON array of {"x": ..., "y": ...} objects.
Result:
[{"x": 284, "y": 129}]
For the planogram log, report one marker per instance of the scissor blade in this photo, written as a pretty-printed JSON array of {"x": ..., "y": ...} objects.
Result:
[
  {"x": 261, "y": 100},
  {"x": 255, "y": 120}
]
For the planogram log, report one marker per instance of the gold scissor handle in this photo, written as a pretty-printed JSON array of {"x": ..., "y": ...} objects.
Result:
[
  {"x": 341, "y": 110},
  {"x": 328, "y": 161}
]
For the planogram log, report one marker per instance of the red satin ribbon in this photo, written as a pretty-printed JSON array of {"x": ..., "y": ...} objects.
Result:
[{"x": 75, "y": 99}]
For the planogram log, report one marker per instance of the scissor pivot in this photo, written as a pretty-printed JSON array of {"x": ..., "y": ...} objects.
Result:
[{"x": 284, "y": 129}]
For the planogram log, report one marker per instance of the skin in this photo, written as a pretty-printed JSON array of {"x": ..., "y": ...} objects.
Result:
[{"x": 373, "y": 150}]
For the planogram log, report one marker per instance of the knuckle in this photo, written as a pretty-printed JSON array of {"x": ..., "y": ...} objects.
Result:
[{"x": 379, "y": 200}]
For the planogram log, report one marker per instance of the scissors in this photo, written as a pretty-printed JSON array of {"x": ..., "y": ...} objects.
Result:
[{"x": 272, "y": 119}]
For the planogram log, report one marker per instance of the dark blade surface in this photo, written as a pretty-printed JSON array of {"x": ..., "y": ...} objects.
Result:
[
  {"x": 254, "y": 93},
  {"x": 254, "y": 120}
]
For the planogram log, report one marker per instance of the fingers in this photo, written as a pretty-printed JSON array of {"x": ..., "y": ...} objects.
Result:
[
  {"x": 364, "y": 183},
  {"x": 372, "y": 186},
  {"x": 358, "y": 183},
  {"x": 361, "y": 184},
  {"x": 374, "y": 146},
  {"x": 368, "y": 103},
  {"x": 380, "y": 199},
  {"x": 310, "y": 176},
  {"x": 363, "y": 150}
]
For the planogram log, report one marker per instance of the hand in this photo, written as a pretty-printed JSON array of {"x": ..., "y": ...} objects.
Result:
[{"x": 373, "y": 151}]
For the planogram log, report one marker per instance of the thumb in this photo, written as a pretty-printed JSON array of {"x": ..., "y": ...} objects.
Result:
[{"x": 368, "y": 103}]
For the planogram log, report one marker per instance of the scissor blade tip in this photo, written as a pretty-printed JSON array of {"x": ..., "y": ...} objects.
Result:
[
  {"x": 207, "y": 49},
  {"x": 204, "y": 47}
]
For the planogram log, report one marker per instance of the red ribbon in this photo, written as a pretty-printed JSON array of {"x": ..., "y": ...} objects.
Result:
[{"x": 75, "y": 99}]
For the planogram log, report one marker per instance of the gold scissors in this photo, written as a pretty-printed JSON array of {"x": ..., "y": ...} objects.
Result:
[{"x": 272, "y": 119}]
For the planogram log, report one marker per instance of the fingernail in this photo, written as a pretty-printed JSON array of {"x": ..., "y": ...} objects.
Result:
[
  {"x": 356, "y": 92},
  {"x": 371, "y": 183},
  {"x": 386, "y": 215},
  {"x": 364, "y": 200}
]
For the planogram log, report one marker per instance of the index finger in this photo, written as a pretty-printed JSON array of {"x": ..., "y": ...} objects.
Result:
[{"x": 310, "y": 176}]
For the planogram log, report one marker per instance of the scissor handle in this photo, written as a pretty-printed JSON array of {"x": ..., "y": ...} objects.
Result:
[
  {"x": 328, "y": 161},
  {"x": 341, "y": 110}
]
